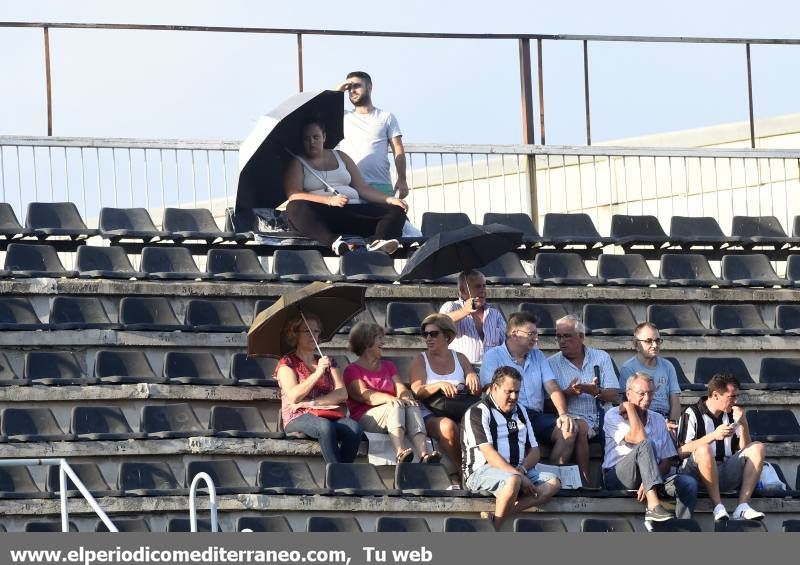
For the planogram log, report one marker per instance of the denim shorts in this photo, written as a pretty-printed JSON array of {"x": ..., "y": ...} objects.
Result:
[{"x": 493, "y": 479}]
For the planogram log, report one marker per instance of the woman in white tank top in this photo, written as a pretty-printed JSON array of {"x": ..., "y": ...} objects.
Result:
[{"x": 439, "y": 369}]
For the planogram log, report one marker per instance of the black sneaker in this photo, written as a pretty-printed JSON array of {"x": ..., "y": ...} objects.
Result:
[{"x": 657, "y": 514}]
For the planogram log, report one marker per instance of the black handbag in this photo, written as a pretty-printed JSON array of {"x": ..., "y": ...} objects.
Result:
[{"x": 453, "y": 408}]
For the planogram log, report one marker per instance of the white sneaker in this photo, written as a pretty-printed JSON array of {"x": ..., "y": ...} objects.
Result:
[
  {"x": 388, "y": 246},
  {"x": 746, "y": 512},
  {"x": 340, "y": 247},
  {"x": 720, "y": 513}
]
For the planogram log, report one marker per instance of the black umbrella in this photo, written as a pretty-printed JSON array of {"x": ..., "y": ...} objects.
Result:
[
  {"x": 470, "y": 247},
  {"x": 264, "y": 155}
]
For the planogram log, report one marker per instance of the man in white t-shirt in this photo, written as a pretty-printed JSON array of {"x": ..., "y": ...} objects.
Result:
[{"x": 369, "y": 132}]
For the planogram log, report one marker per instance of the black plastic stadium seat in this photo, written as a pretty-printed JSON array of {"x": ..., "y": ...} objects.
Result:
[
  {"x": 9, "y": 224},
  {"x": 791, "y": 526},
  {"x": 405, "y": 317},
  {"x": 506, "y": 269},
  {"x": 707, "y": 367},
  {"x": 780, "y": 373},
  {"x": 48, "y": 526},
  {"x": 453, "y": 524},
  {"x": 437, "y": 222},
  {"x": 89, "y": 474},
  {"x": 193, "y": 368},
  {"x": 151, "y": 478},
  {"x": 303, "y": 265},
  {"x": 419, "y": 479},
  {"x": 105, "y": 263},
  {"x": 761, "y": 231},
  {"x": 517, "y": 220},
  {"x": 152, "y": 313},
  {"x": 127, "y": 525},
  {"x": 224, "y": 473},
  {"x": 26, "y": 260},
  {"x": 332, "y": 524},
  {"x": 31, "y": 424},
  {"x": 79, "y": 313},
  {"x": 739, "y": 319},
  {"x": 240, "y": 421},
  {"x": 546, "y": 314},
  {"x": 263, "y": 524},
  {"x": 629, "y": 230},
  {"x": 167, "y": 421},
  {"x": 691, "y": 269},
  {"x": 371, "y": 266},
  {"x": 101, "y": 423},
  {"x": 194, "y": 223},
  {"x": 787, "y": 318},
  {"x": 236, "y": 265},
  {"x": 16, "y": 482},
  {"x": 256, "y": 371},
  {"x": 182, "y": 525},
  {"x": 287, "y": 477},
  {"x": 213, "y": 316},
  {"x": 124, "y": 367},
  {"x": 773, "y": 425},
  {"x": 54, "y": 368},
  {"x": 625, "y": 270},
  {"x": 751, "y": 270},
  {"x": 45, "y": 219},
  {"x": 677, "y": 319},
  {"x": 356, "y": 479},
  {"x": 687, "y": 232},
  {"x": 170, "y": 263},
  {"x": 562, "y": 269},
  {"x": 793, "y": 269},
  {"x": 401, "y": 524},
  {"x": 262, "y": 305},
  {"x": 539, "y": 525},
  {"x": 8, "y": 376},
  {"x": 607, "y": 525},
  {"x": 609, "y": 319},
  {"x": 676, "y": 525},
  {"x": 739, "y": 526},
  {"x": 683, "y": 381},
  {"x": 18, "y": 314},
  {"x": 128, "y": 223},
  {"x": 572, "y": 229}
]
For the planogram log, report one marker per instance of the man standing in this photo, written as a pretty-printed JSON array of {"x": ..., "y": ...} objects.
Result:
[
  {"x": 519, "y": 352},
  {"x": 714, "y": 438},
  {"x": 479, "y": 327},
  {"x": 586, "y": 376},
  {"x": 500, "y": 450},
  {"x": 368, "y": 134},
  {"x": 640, "y": 453}
]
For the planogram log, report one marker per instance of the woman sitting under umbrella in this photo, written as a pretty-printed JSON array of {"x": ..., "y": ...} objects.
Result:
[
  {"x": 312, "y": 391},
  {"x": 379, "y": 400},
  {"x": 328, "y": 197}
]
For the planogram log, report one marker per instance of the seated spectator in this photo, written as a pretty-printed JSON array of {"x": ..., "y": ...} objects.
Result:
[
  {"x": 500, "y": 450},
  {"x": 714, "y": 437},
  {"x": 439, "y": 369},
  {"x": 379, "y": 400},
  {"x": 313, "y": 392},
  {"x": 585, "y": 375},
  {"x": 328, "y": 197},
  {"x": 479, "y": 327}
]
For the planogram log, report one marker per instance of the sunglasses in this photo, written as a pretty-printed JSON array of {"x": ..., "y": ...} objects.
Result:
[{"x": 432, "y": 333}]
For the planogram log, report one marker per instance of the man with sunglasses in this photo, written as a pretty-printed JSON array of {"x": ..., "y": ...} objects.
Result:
[{"x": 667, "y": 400}]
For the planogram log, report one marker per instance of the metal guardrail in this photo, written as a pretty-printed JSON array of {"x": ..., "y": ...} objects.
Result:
[{"x": 212, "y": 495}]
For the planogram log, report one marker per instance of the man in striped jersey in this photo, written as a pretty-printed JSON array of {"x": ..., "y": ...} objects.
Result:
[
  {"x": 714, "y": 437},
  {"x": 500, "y": 450}
]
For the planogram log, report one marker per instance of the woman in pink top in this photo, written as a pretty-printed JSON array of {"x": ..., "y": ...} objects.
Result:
[{"x": 378, "y": 399}]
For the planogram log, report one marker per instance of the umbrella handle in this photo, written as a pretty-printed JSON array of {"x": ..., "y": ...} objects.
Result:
[{"x": 316, "y": 344}]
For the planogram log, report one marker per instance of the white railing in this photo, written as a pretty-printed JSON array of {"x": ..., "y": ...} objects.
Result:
[{"x": 212, "y": 502}]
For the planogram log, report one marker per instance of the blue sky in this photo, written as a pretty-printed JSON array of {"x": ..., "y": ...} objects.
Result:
[{"x": 214, "y": 86}]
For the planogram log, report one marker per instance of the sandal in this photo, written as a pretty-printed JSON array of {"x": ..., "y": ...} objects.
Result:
[
  {"x": 431, "y": 458},
  {"x": 405, "y": 456}
]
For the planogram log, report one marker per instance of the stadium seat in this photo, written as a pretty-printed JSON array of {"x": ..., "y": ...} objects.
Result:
[
  {"x": 779, "y": 373},
  {"x": 256, "y": 371},
  {"x": 506, "y": 269},
  {"x": 287, "y": 477},
  {"x": 47, "y": 526},
  {"x": 739, "y": 526},
  {"x": 437, "y": 222},
  {"x": 9, "y": 224},
  {"x": 16, "y": 482},
  {"x": 105, "y": 263},
  {"x": 101, "y": 423},
  {"x": 420, "y": 479},
  {"x": 355, "y": 479},
  {"x": 761, "y": 231},
  {"x": 687, "y": 232},
  {"x": 562, "y": 269},
  {"x": 128, "y": 223},
  {"x": 127, "y": 525},
  {"x": 707, "y": 367},
  {"x": 240, "y": 421},
  {"x": 739, "y": 319},
  {"x": 167, "y": 421},
  {"x": 625, "y": 270},
  {"x": 401, "y": 524},
  {"x": 517, "y": 220},
  {"x": 54, "y": 368},
  {"x": 454, "y": 524},
  {"x": 676, "y": 525},
  {"x": 193, "y": 368},
  {"x": 151, "y": 478},
  {"x": 224, "y": 473},
  {"x": 332, "y": 524},
  {"x": 539, "y": 525},
  {"x": 793, "y": 268},
  {"x": 31, "y": 424},
  {"x": 677, "y": 319},
  {"x": 370, "y": 266},
  {"x": 182, "y": 525},
  {"x": 546, "y": 314},
  {"x": 791, "y": 526},
  {"x": 79, "y": 313},
  {"x": 236, "y": 265},
  {"x": 773, "y": 425},
  {"x": 46, "y": 219},
  {"x": 213, "y": 316},
  {"x": 561, "y": 230},
  {"x": 124, "y": 367},
  {"x": 608, "y": 319},
  {"x": 195, "y": 223},
  {"x": 8, "y": 376},
  {"x": 628, "y": 231},
  {"x": 89, "y": 474},
  {"x": 26, "y": 260},
  {"x": 303, "y": 265},
  {"x": 167, "y": 263},
  {"x": 683, "y": 381},
  {"x": 147, "y": 313},
  {"x": 690, "y": 269},
  {"x": 262, "y": 305},
  {"x": 751, "y": 270},
  {"x": 263, "y": 524},
  {"x": 16, "y": 313},
  {"x": 406, "y": 317},
  {"x": 787, "y": 318},
  {"x": 606, "y": 525}
]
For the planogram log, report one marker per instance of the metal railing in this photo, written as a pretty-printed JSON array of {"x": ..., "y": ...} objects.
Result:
[{"x": 212, "y": 502}]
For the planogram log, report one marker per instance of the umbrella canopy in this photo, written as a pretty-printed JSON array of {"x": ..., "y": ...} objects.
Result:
[
  {"x": 470, "y": 247},
  {"x": 263, "y": 156},
  {"x": 333, "y": 305}
]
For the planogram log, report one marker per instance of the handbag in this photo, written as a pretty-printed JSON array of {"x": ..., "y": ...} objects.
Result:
[{"x": 453, "y": 408}]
